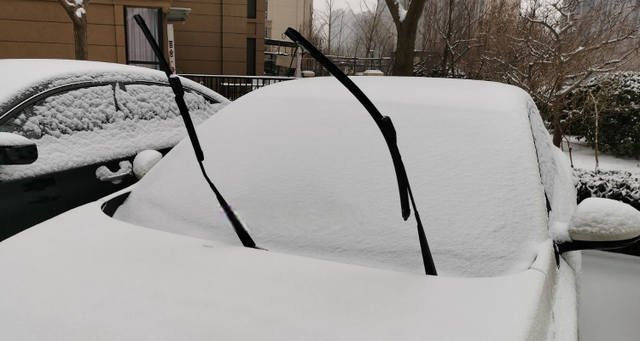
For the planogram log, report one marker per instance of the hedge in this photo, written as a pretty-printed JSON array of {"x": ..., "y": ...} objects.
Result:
[{"x": 617, "y": 185}]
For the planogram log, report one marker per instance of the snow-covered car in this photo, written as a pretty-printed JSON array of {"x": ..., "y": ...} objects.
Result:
[
  {"x": 88, "y": 120},
  {"x": 309, "y": 174}
]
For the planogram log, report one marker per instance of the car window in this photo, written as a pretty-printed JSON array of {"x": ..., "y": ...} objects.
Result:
[
  {"x": 83, "y": 109},
  {"x": 91, "y": 125},
  {"x": 144, "y": 102}
]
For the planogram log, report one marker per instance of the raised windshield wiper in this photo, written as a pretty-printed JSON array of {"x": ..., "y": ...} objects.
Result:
[
  {"x": 389, "y": 133},
  {"x": 178, "y": 90}
]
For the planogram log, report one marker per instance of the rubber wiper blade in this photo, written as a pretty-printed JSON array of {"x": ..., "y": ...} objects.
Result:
[
  {"x": 178, "y": 90},
  {"x": 388, "y": 131}
]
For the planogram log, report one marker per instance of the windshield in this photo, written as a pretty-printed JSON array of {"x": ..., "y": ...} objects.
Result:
[{"x": 307, "y": 171}]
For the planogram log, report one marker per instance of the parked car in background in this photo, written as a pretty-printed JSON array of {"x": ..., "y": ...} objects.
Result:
[
  {"x": 88, "y": 121},
  {"x": 309, "y": 174}
]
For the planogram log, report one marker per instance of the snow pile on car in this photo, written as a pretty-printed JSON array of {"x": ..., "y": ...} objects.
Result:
[
  {"x": 31, "y": 76},
  {"x": 309, "y": 173}
]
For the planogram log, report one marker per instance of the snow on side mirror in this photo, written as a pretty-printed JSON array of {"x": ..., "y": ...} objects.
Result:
[
  {"x": 602, "y": 224},
  {"x": 17, "y": 150},
  {"x": 144, "y": 161}
]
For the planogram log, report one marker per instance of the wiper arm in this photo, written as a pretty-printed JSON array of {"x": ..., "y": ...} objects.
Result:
[
  {"x": 389, "y": 133},
  {"x": 178, "y": 90}
]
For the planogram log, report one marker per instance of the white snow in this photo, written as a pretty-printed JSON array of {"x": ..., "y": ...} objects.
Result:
[
  {"x": 556, "y": 178},
  {"x": 80, "y": 12},
  {"x": 584, "y": 157},
  {"x": 83, "y": 126},
  {"x": 120, "y": 139},
  {"x": 84, "y": 274},
  {"x": 599, "y": 219},
  {"x": 30, "y": 76},
  {"x": 9, "y": 140},
  {"x": 144, "y": 161},
  {"x": 314, "y": 177},
  {"x": 103, "y": 172},
  {"x": 402, "y": 13},
  {"x": 373, "y": 73}
]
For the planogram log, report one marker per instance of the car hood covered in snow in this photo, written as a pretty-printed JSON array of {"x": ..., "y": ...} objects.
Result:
[
  {"x": 84, "y": 275},
  {"x": 309, "y": 173}
]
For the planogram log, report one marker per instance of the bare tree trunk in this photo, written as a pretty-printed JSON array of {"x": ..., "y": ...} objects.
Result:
[
  {"x": 404, "y": 53},
  {"x": 557, "y": 131},
  {"x": 80, "y": 37},
  {"x": 406, "y": 26},
  {"x": 595, "y": 105},
  {"x": 78, "y": 15}
]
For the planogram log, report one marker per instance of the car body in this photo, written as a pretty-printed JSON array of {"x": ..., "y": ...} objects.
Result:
[
  {"x": 309, "y": 174},
  {"x": 83, "y": 116}
]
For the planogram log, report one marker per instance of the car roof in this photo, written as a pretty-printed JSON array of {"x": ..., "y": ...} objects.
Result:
[
  {"x": 25, "y": 77},
  {"x": 309, "y": 173}
]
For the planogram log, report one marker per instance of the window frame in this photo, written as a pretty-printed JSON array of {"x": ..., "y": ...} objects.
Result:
[{"x": 159, "y": 40}]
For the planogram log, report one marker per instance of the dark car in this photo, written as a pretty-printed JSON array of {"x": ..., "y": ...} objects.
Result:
[{"x": 88, "y": 121}]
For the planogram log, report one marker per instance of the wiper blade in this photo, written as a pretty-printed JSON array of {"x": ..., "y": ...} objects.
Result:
[
  {"x": 388, "y": 131},
  {"x": 178, "y": 90}
]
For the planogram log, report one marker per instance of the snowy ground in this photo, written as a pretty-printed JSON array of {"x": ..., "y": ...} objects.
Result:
[
  {"x": 584, "y": 157},
  {"x": 610, "y": 298}
]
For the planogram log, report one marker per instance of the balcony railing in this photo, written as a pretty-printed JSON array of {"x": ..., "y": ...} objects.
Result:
[{"x": 232, "y": 87}]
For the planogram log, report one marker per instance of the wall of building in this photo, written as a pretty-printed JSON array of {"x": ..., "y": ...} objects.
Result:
[
  {"x": 213, "y": 40},
  {"x": 283, "y": 14}
]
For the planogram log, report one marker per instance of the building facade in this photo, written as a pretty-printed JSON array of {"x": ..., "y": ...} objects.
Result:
[
  {"x": 217, "y": 37},
  {"x": 282, "y": 14}
]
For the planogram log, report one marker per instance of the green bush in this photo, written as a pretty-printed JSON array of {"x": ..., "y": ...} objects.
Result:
[{"x": 617, "y": 97}]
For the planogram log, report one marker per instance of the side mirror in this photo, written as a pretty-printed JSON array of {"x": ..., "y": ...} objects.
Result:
[
  {"x": 602, "y": 224},
  {"x": 17, "y": 150},
  {"x": 144, "y": 161}
]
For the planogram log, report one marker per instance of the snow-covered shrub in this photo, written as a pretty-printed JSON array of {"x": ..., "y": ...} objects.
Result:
[
  {"x": 616, "y": 97},
  {"x": 618, "y": 185}
]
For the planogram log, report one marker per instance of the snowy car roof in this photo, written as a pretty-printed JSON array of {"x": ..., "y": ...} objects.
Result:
[
  {"x": 25, "y": 77},
  {"x": 309, "y": 173}
]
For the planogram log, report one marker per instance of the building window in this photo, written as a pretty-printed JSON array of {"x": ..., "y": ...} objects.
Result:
[
  {"x": 251, "y": 56},
  {"x": 139, "y": 52},
  {"x": 251, "y": 9}
]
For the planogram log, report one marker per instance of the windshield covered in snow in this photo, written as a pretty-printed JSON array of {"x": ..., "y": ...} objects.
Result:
[{"x": 308, "y": 172}]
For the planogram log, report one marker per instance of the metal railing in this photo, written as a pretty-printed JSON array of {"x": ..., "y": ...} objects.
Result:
[
  {"x": 232, "y": 87},
  {"x": 348, "y": 65}
]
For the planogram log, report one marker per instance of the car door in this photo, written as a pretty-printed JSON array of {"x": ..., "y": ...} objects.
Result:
[{"x": 87, "y": 137}]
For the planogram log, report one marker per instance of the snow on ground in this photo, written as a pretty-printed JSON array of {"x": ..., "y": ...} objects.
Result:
[
  {"x": 584, "y": 157},
  {"x": 609, "y": 298}
]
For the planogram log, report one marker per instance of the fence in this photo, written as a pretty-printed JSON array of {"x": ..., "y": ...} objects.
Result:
[
  {"x": 348, "y": 65},
  {"x": 232, "y": 87}
]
